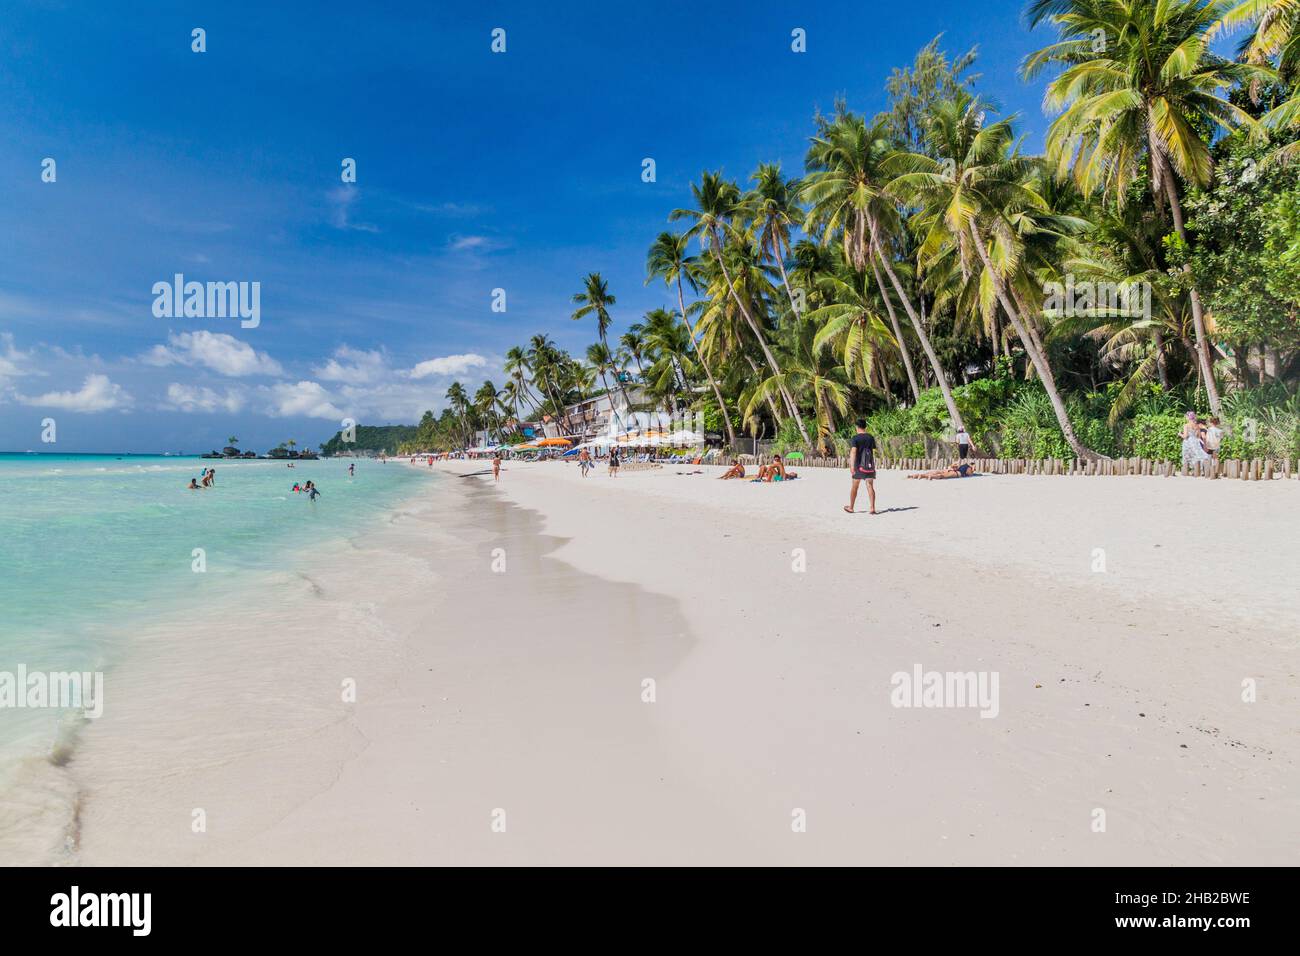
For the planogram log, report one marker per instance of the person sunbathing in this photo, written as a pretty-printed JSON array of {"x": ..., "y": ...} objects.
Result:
[
  {"x": 955, "y": 470},
  {"x": 735, "y": 471},
  {"x": 776, "y": 471}
]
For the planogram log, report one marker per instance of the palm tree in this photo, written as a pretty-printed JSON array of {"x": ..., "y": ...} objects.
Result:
[
  {"x": 516, "y": 366},
  {"x": 595, "y": 299},
  {"x": 807, "y": 372},
  {"x": 667, "y": 260},
  {"x": 773, "y": 210},
  {"x": 1142, "y": 94},
  {"x": 602, "y": 361},
  {"x": 232, "y": 440},
  {"x": 459, "y": 402},
  {"x": 547, "y": 365},
  {"x": 847, "y": 198},
  {"x": 633, "y": 343},
  {"x": 851, "y": 325},
  {"x": 487, "y": 402},
  {"x": 669, "y": 343},
  {"x": 510, "y": 398},
  {"x": 716, "y": 203},
  {"x": 967, "y": 196},
  {"x": 1276, "y": 40}
]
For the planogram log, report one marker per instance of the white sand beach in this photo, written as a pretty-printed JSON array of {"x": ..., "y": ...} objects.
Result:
[{"x": 499, "y": 637}]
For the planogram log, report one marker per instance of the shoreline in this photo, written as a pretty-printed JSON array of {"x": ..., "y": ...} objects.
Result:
[{"x": 521, "y": 690}]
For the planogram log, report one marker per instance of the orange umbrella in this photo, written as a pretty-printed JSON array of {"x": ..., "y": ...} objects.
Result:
[{"x": 554, "y": 442}]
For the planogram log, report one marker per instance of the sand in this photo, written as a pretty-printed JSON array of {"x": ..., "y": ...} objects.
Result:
[{"x": 501, "y": 638}]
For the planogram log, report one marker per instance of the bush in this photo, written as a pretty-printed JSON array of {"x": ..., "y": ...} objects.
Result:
[{"x": 1156, "y": 437}]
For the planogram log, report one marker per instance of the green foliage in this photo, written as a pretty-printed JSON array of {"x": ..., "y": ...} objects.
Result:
[
  {"x": 1156, "y": 437},
  {"x": 1244, "y": 228},
  {"x": 371, "y": 438}
]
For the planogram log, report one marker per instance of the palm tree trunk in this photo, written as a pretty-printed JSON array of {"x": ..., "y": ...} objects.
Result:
[
  {"x": 898, "y": 332},
  {"x": 627, "y": 402},
  {"x": 771, "y": 405},
  {"x": 785, "y": 279},
  {"x": 1198, "y": 315},
  {"x": 1158, "y": 341},
  {"x": 762, "y": 342},
  {"x": 699, "y": 353},
  {"x": 1039, "y": 361},
  {"x": 917, "y": 324}
]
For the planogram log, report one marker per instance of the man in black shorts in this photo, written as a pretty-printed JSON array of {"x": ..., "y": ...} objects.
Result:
[{"x": 862, "y": 465}]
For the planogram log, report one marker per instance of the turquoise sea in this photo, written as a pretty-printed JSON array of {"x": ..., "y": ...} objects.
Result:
[{"x": 91, "y": 545}]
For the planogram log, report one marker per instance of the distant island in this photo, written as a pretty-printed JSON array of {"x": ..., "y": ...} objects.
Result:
[
  {"x": 373, "y": 439},
  {"x": 286, "y": 449}
]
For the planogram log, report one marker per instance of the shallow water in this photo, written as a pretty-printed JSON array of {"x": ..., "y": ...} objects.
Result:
[{"x": 95, "y": 549}]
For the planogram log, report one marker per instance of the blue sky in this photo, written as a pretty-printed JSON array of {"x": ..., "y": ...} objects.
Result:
[{"x": 475, "y": 171}]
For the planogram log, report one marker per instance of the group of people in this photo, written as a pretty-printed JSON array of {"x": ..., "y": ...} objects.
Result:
[
  {"x": 309, "y": 489},
  {"x": 206, "y": 479},
  {"x": 1201, "y": 439},
  {"x": 769, "y": 473}
]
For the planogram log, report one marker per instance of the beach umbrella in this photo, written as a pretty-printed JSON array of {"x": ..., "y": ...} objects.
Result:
[{"x": 554, "y": 443}]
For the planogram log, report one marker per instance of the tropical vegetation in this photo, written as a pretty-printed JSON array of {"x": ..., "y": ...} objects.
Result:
[{"x": 926, "y": 271}]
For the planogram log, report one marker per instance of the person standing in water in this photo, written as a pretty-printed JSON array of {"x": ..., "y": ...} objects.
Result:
[
  {"x": 496, "y": 467},
  {"x": 352, "y": 469},
  {"x": 862, "y": 465}
]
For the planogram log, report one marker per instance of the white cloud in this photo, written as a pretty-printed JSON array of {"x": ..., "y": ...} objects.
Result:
[
  {"x": 214, "y": 350},
  {"x": 448, "y": 365},
  {"x": 97, "y": 394},
  {"x": 354, "y": 366},
  {"x": 13, "y": 363},
  {"x": 341, "y": 200},
  {"x": 187, "y": 398},
  {"x": 308, "y": 399}
]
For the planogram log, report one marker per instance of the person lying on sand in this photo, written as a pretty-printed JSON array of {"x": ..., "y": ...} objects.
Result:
[
  {"x": 735, "y": 471},
  {"x": 955, "y": 470},
  {"x": 776, "y": 471}
]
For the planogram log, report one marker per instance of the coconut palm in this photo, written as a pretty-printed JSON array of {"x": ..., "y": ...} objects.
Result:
[
  {"x": 632, "y": 344},
  {"x": 1275, "y": 40},
  {"x": 602, "y": 361},
  {"x": 672, "y": 369},
  {"x": 967, "y": 196},
  {"x": 459, "y": 402},
  {"x": 773, "y": 208},
  {"x": 1138, "y": 82},
  {"x": 717, "y": 202},
  {"x": 548, "y": 369},
  {"x": 516, "y": 366},
  {"x": 851, "y": 326},
  {"x": 808, "y": 371},
  {"x": 595, "y": 299},
  {"x": 487, "y": 402},
  {"x": 667, "y": 260},
  {"x": 845, "y": 192}
]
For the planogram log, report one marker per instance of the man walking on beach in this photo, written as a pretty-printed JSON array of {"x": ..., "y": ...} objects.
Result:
[
  {"x": 963, "y": 442},
  {"x": 862, "y": 466},
  {"x": 496, "y": 468}
]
